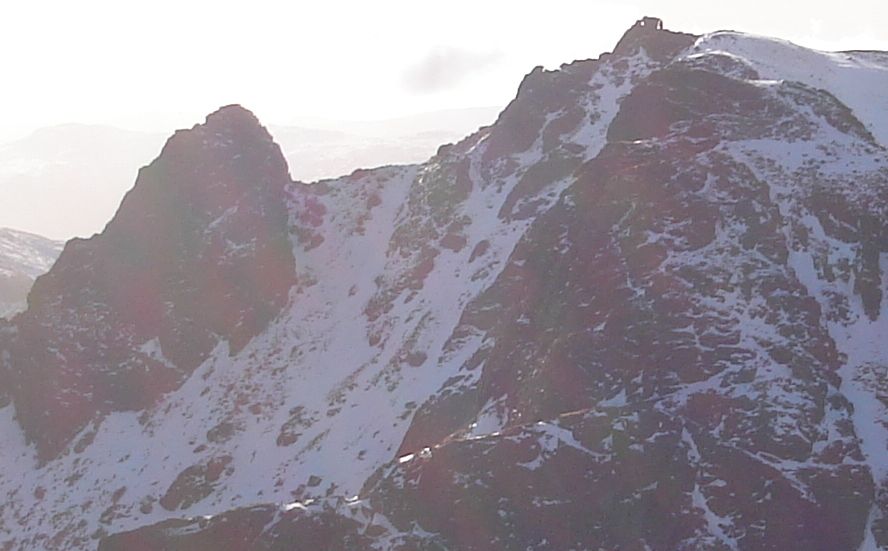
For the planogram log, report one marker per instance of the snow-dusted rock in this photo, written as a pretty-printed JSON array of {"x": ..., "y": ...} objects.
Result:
[{"x": 642, "y": 310}]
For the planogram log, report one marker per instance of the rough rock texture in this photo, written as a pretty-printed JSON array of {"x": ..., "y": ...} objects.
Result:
[
  {"x": 197, "y": 254},
  {"x": 643, "y": 310}
]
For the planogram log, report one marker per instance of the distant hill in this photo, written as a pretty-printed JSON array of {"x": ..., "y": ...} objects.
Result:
[{"x": 23, "y": 257}]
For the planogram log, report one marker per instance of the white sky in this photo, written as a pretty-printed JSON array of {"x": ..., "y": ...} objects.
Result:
[{"x": 164, "y": 64}]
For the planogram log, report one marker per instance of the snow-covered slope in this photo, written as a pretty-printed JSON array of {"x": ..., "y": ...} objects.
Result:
[
  {"x": 819, "y": 182},
  {"x": 641, "y": 310},
  {"x": 857, "y": 79},
  {"x": 23, "y": 257}
]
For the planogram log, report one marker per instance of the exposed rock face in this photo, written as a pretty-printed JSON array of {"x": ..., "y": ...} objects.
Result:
[
  {"x": 198, "y": 254},
  {"x": 644, "y": 310},
  {"x": 660, "y": 44}
]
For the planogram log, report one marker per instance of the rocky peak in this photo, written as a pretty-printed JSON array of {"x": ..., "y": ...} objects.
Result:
[
  {"x": 229, "y": 116},
  {"x": 197, "y": 254},
  {"x": 544, "y": 92},
  {"x": 228, "y": 126},
  {"x": 648, "y": 33}
]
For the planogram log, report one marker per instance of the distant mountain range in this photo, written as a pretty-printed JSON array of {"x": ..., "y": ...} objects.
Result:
[
  {"x": 23, "y": 257},
  {"x": 645, "y": 309}
]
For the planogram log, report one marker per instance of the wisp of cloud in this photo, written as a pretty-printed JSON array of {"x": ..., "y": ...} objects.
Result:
[{"x": 444, "y": 68}]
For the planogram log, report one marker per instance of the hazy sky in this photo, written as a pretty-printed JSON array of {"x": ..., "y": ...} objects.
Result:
[{"x": 163, "y": 64}]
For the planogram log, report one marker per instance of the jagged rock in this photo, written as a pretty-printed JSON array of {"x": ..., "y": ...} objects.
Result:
[{"x": 198, "y": 254}]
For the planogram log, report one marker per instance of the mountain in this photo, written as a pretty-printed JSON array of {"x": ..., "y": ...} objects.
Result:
[
  {"x": 643, "y": 309},
  {"x": 23, "y": 257}
]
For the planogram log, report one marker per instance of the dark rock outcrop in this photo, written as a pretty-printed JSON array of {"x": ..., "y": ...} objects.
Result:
[
  {"x": 197, "y": 254},
  {"x": 658, "y": 43}
]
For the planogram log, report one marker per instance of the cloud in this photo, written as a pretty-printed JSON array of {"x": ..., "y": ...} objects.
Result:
[{"x": 444, "y": 68}]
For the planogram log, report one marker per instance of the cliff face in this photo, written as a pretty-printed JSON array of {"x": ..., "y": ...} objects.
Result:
[
  {"x": 197, "y": 255},
  {"x": 643, "y": 310}
]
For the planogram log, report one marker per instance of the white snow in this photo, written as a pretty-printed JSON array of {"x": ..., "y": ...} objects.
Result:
[{"x": 857, "y": 79}]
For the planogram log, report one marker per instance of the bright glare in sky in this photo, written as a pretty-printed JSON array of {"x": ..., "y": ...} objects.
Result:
[{"x": 165, "y": 64}]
